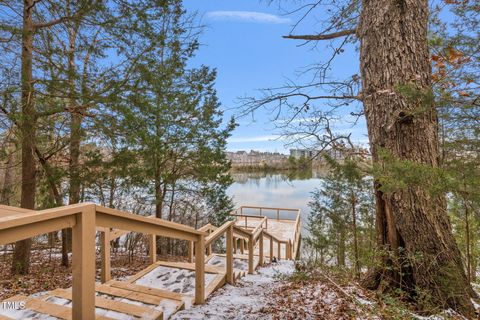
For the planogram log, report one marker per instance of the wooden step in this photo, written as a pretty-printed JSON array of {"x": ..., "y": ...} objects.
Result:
[
  {"x": 114, "y": 305},
  {"x": 130, "y": 295},
  {"x": 143, "y": 289},
  {"x": 55, "y": 310},
  {"x": 169, "y": 306}
]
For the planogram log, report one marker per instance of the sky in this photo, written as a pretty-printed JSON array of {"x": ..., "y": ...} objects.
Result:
[{"x": 243, "y": 41}]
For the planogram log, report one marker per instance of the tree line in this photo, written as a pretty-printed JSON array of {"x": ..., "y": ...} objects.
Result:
[{"x": 98, "y": 102}]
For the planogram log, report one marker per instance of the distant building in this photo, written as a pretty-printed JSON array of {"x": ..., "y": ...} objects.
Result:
[
  {"x": 256, "y": 158},
  {"x": 302, "y": 153},
  {"x": 336, "y": 154}
]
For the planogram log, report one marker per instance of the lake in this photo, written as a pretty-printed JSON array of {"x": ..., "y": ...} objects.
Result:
[{"x": 287, "y": 190}]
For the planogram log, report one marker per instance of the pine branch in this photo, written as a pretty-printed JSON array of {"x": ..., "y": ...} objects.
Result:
[{"x": 317, "y": 37}]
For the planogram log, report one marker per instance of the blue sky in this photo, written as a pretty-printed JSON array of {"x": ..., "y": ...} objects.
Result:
[{"x": 243, "y": 41}]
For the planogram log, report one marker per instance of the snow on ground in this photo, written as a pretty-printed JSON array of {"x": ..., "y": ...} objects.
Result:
[
  {"x": 244, "y": 301},
  {"x": 173, "y": 279},
  {"x": 240, "y": 264}
]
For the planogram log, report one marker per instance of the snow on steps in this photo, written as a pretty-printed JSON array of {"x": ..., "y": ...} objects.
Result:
[
  {"x": 157, "y": 292},
  {"x": 114, "y": 300},
  {"x": 245, "y": 300}
]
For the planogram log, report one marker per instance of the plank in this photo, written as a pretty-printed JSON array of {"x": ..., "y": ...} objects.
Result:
[
  {"x": 185, "y": 265},
  {"x": 142, "y": 289},
  {"x": 141, "y": 273},
  {"x": 128, "y": 294},
  {"x": 49, "y": 308},
  {"x": 118, "y": 306},
  {"x": 215, "y": 284}
]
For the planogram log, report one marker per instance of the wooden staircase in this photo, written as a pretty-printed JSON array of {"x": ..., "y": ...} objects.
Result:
[{"x": 164, "y": 287}]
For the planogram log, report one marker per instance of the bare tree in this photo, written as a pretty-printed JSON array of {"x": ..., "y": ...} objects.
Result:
[{"x": 413, "y": 229}]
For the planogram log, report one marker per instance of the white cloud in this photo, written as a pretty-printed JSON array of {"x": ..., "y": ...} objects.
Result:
[
  {"x": 253, "y": 139},
  {"x": 247, "y": 16}
]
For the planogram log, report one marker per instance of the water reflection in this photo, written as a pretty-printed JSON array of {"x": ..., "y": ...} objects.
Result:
[{"x": 276, "y": 189}]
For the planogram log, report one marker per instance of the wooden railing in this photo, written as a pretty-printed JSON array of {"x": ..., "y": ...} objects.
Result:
[
  {"x": 240, "y": 211},
  {"x": 291, "y": 246},
  {"x": 84, "y": 219}
]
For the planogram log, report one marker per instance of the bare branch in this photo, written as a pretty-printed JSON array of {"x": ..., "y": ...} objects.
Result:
[
  {"x": 6, "y": 39},
  {"x": 317, "y": 37},
  {"x": 51, "y": 23}
]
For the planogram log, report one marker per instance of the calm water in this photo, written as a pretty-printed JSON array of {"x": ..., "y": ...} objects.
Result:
[{"x": 291, "y": 190}]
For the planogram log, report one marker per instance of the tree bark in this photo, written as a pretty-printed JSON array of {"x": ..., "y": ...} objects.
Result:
[
  {"x": 353, "y": 203},
  {"x": 75, "y": 138},
  {"x": 341, "y": 248},
  {"x": 6, "y": 190},
  {"x": 21, "y": 254},
  {"x": 410, "y": 222},
  {"x": 467, "y": 240}
]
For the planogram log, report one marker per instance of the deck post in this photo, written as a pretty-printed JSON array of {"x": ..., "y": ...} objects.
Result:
[
  {"x": 83, "y": 264},
  {"x": 235, "y": 242},
  {"x": 190, "y": 251},
  {"x": 152, "y": 242},
  {"x": 279, "y": 248},
  {"x": 229, "y": 262},
  {"x": 288, "y": 249},
  {"x": 200, "y": 270},
  {"x": 260, "y": 249},
  {"x": 105, "y": 254},
  {"x": 250, "y": 254},
  {"x": 242, "y": 245},
  {"x": 209, "y": 248},
  {"x": 271, "y": 249}
]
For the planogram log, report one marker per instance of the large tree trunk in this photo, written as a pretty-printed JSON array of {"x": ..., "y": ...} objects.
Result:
[
  {"x": 6, "y": 191},
  {"x": 75, "y": 139},
  {"x": 21, "y": 254},
  {"x": 341, "y": 247},
  {"x": 353, "y": 203},
  {"x": 394, "y": 51}
]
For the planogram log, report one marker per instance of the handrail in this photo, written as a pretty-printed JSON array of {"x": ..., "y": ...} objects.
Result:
[
  {"x": 235, "y": 212},
  {"x": 260, "y": 226},
  {"x": 117, "y": 233},
  {"x": 296, "y": 238},
  {"x": 206, "y": 227},
  {"x": 227, "y": 229},
  {"x": 246, "y": 215},
  {"x": 271, "y": 236},
  {"x": 87, "y": 218},
  {"x": 291, "y": 245},
  {"x": 218, "y": 232},
  {"x": 83, "y": 218},
  {"x": 107, "y": 217},
  {"x": 268, "y": 208}
]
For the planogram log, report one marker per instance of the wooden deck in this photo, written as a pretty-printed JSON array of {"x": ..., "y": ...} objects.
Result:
[{"x": 164, "y": 287}]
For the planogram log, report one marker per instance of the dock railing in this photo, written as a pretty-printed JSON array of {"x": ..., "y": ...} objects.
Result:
[{"x": 265, "y": 213}]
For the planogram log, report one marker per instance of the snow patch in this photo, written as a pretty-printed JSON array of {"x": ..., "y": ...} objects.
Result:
[
  {"x": 243, "y": 301},
  {"x": 172, "y": 279}
]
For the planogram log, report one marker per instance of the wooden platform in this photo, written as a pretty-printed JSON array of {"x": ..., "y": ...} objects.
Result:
[{"x": 163, "y": 288}]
